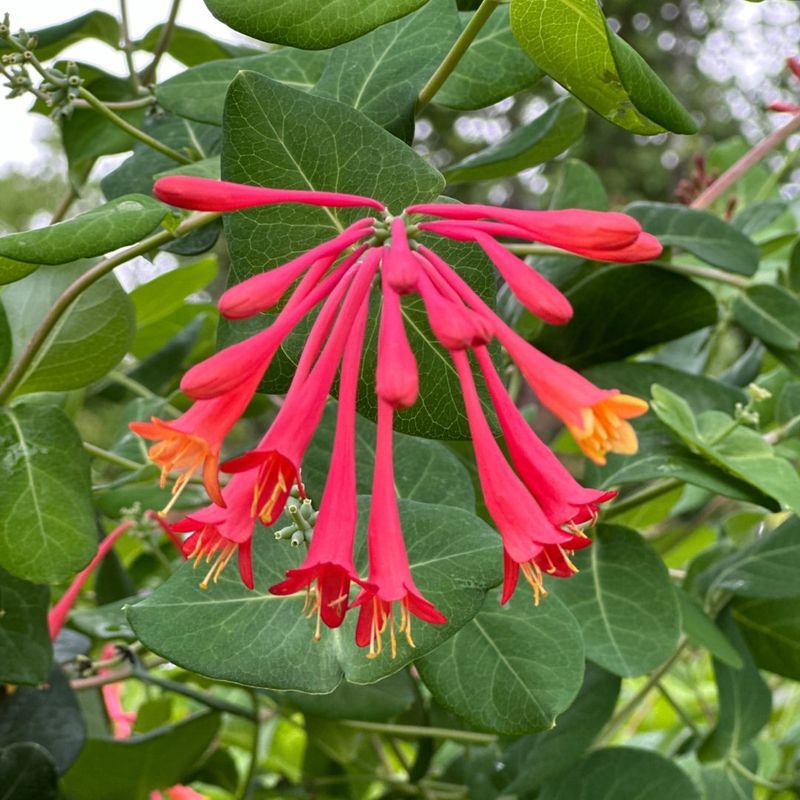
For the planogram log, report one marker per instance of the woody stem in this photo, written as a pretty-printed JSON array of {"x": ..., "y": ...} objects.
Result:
[{"x": 17, "y": 373}]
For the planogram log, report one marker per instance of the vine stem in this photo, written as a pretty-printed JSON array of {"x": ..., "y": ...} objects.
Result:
[
  {"x": 112, "y": 458},
  {"x": 99, "y": 106},
  {"x": 127, "y": 47},
  {"x": 255, "y": 749},
  {"x": 163, "y": 43},
  {"x": 80, "y": 285},
  {"x": 413, "y": 731},
  {"x": 619, "y": 718},
  {"x": 457, "y": 51},
  {"x": 746, "y": 163}
]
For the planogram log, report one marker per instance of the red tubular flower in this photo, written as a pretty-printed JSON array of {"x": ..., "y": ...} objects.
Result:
[
  {"x": 399, "y": 265},
  {"x": 535, "y": 292},
  {"x": 264, "y": 290},
  {"x": 597, "y": 418},
  {"x": 530, "y": 539},
  {"x": 194, "y": 440},
  {"x": 329, "y": 563},
  {"x": 784, "y": 107},
  {"x": 563, "y": 500},
  {"x": 217, "y": 533},
  {"x": 453, "y": 325},
  {"x": 396, "y": 377},
  {"x": 390, "y": 579},
  {"x": 207, "y": 194},
  {"x": 280, "y": 452},
  {"x": 565, "y": 228}
]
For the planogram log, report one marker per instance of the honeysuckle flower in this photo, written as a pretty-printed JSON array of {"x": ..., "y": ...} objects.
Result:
[
  {"x": 217, "y": 533},
  {"x": 389, "y": 579},
  {"x": 329, "y": 562},
  {"x": 536, "y": 504},
  {"x": 528, "y": 535}
]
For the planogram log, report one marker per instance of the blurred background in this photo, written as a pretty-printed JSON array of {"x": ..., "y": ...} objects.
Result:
[{"x": 724, "y": 59}]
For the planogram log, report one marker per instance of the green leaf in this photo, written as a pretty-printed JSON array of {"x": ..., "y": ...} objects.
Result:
[
  {"x": 381, "y": 73},
  {"x": 424, "y": 470},
  {"x": 89, "y": 339},
  {"x": 771, "y": 629},
  {"x": 309, "y": 24},
  {"x": 702, "y": 631},
  {"x": 11, "y": 270},
  {"x": 539, "y": 756},
  {"x": 137, "y": 173},
  {"x": 103, "y": 622},
  {"x": 609, "y": 76},
  {"x": 623, "y": 599},
  {"x": 121, "y": 222},
  {"x": 454, "y": 558},
  {"x": 540, "y": 140},
  {"x": 199, "y": 93},
  {"x": 650, "y": 306},
  {"x": 511, "y": 669},
  {"x": 27, "y": 773},
  {"x": 737, "y": 450},
  {"x": 54, "y": 39},
  {"x": 44, "y": 471},
  {"x": 25, "y": 649},
  {"x": 112, "y": 769},
  {"x": 767, "y": 568},
  {"x": 6, "y": 343},
  {"x": 579, "y": 186},
  {"x": 192, "y": 47},
  {"x": 158, "y": 298},
  {"x": 699, "y": 233},
  {"x": 48, "y": 716},
  {"x": 493, "y": 68},
  {"x": 622, "y": 773},
  {"x": 745, "y": 701},
  {"x": 788, "y": 405},
  {"x": 309, "y": 142},
  {"x": 770, "y": 313},
  {"x": 376, "y": 702}
]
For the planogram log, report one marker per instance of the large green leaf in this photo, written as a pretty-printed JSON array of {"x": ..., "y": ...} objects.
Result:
[
  {"x": 129, "y": 769},
  {"x": 745, "y": 701},
  {"x": 623, "y": 599},
  {"x": 25, "y": 649},
  {"x": 494, "y": 67},
  {"x": 192, "y": 47},
  {"x": 622, "y": 773},
  {"x": 540, "y": 140},
  {"x": 47, "y": 715},
  {"x": 570, "y": 40},
  {"x": 650, "y": 306},
  {"x": 121, "y": 222},
  {"x": 454, "y": 558},
  {"x": 47, "y": 525},
  {"x": 381, "y": 73},
  {"x": 88, "y": 340},
  {"x": 539, "y": 756},
  {"x": 771, "y": 629},
  {"x": 308, "y": 142},
  {"x": 767, "y": 568},
  {"x": 700, "y": 233},
  {"x": 770, "y": 313},
  {"x": 735, "y": 449},
  {"x": 702, "y": 631},
  {"x": 94, "y": 25},
  {"x": 424, "y": 470},
  {"x": 511, "y": 669},
  {"x": 27, "y": 772},
  {"x": 309, "y": 24},
  {"x": 199, "y": 93}
]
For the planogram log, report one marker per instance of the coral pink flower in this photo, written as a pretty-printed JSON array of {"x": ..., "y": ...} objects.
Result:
[
  {"x": 389, "y": 572},
  {"x": 399, "y": 265},
  {"x": 396, "y": 377},
  {"x": 206, "y": 194},
  {"x": 280, "y": 453},
  {"x": 217, "y": 533},
  {"x": 526, "y": 530},
  {"x": 329, "y": 562}
]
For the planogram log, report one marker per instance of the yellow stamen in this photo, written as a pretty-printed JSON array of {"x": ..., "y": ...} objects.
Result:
[{"x": 533, "y": 575}]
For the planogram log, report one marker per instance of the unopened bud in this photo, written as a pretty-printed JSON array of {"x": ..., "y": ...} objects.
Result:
[
  {"x": 298, "y": 538},
  {"x": 758, "y": 393}
]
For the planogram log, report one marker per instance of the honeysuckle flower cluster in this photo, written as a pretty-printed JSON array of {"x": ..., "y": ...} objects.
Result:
[{"x": 535, "y": 502}]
